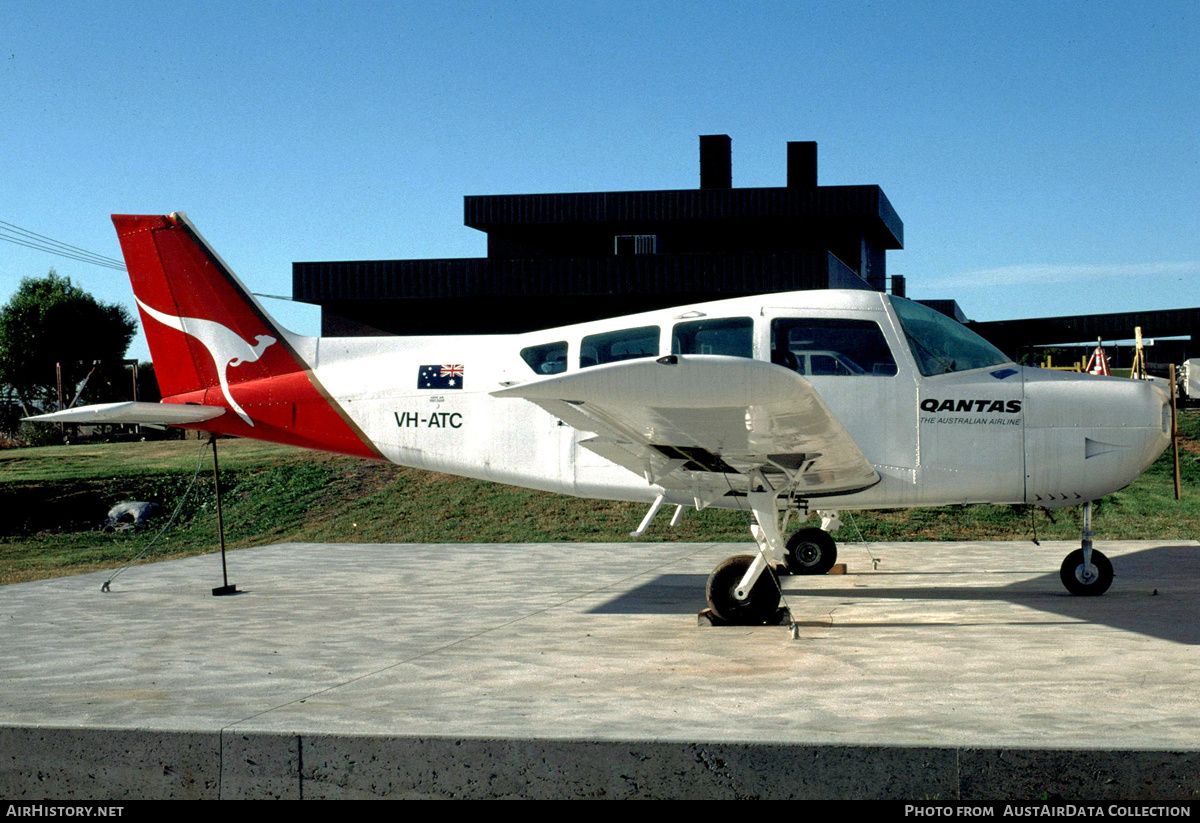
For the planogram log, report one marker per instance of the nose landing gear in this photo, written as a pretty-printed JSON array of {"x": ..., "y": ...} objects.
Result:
[
  {"x": 810, "y": 551},
  {"x": 1085, "y": 571}
]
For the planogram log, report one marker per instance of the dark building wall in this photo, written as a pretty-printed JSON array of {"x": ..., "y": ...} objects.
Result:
[
  {"x": 558, "y": 258},
  {"x": 1159, "y": 356},
  {"x": 1015, "y": 336},
  {"x": 481, "y": 295},
  {"x": 690, "y": 221}
]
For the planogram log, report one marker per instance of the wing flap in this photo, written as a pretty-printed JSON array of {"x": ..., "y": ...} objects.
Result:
[{"x": 680, "y": 416}]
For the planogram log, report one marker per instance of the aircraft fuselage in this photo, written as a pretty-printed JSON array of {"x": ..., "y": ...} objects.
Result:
[{"x": 997, "y": 433}]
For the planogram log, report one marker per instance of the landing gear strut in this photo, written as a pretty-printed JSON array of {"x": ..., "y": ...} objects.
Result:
[
  {"x": 1086, "y": 571},
  {"x": 743, "y": 590},
  {"x": 760, "y": 606}
]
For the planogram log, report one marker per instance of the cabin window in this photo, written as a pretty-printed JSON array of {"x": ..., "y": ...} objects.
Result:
[
  {"x": 548, "y": 359},
  {"x": 615, "y": 346},
  {"x": 819, "y": 346},
  {"x": 941, "y": 344},
  {"x": 731, "y": 336}
]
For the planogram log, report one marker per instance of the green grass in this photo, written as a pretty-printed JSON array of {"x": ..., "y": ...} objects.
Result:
[
  {"x": 53, "y": 499},
  {"x": 108, "y": 460}
]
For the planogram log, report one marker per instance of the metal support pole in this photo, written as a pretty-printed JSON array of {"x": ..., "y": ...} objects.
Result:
[
  {"x": 62, "y": 427},
  {"x": 137, "y": 426},
  {"x": 226, "y": 588},
  {"x": 1175, "y": 433}
]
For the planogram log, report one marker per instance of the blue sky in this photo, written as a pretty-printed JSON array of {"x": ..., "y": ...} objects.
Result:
[{"x": 1043, "y": 156}]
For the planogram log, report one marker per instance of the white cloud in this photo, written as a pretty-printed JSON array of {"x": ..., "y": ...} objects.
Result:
[{"x": 1043, "y": 273}]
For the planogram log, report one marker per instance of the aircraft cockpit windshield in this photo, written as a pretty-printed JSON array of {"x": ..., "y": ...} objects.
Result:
[{"x": 941, "y": 344}]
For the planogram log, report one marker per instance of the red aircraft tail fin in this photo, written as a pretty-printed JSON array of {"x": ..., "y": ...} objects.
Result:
[
  {"x": 181, "y": 285},
  {"x": 212, "y": 343}
]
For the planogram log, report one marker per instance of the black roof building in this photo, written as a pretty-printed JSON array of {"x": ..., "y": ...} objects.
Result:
[
  {"x": 554, "y": 259},
  {"x": 1021, "y": 338},
  {"x": 563, "y": 258}
]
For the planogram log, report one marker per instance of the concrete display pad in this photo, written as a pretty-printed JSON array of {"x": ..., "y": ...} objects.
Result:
[{"x": 959, "y": 671}]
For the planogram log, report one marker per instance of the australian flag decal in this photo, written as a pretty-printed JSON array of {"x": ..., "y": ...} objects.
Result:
[{"x": 440, "y": 377}]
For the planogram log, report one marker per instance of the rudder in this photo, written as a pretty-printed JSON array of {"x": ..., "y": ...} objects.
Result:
[
  {"x": 182, "y": 285},
  {"x": 213, "y": 344}
]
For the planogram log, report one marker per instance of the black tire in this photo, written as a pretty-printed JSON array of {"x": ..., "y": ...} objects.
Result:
[
  {"x": 760, "y": 607},
  {"x": 1076, "y": 582},
  {"x": 811, "y": 551}
]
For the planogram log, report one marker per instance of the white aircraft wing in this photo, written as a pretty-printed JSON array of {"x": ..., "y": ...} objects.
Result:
[
  {"x": 685, "y": 419},
  {"x": 150, "y": 414}
]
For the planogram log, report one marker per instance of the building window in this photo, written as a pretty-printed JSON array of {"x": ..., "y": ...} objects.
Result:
[{"x": 628, "y": 244}]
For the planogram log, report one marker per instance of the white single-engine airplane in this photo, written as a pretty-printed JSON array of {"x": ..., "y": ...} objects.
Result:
[{"x": 773, "y": 403}]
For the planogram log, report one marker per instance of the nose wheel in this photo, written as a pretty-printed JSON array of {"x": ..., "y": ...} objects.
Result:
[
  {"x": 810, "y": 551},
  {"x": 1083, "y": 578},
  {"x": 1085, "y": 571}
]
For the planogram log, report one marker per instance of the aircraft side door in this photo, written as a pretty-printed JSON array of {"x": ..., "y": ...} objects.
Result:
[{"x": 852, "y": 360}]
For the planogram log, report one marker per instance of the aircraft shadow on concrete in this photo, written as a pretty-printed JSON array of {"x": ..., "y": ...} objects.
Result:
[{"x": 1156, "y": 593}]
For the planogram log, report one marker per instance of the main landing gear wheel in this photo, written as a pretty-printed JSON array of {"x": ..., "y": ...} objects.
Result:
[
  {"x": 811, "y": 551},
  {"x": 1086, "y": 580},
  {"x": 755, "y": 610}
]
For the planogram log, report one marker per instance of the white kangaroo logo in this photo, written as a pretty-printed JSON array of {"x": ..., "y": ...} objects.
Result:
[{"x": 225, "y": 347}]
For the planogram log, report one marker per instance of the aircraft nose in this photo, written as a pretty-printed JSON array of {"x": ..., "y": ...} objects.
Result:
[
  {"x": 1147, "y": 416},
  {"x": 1086, "y": 437}
]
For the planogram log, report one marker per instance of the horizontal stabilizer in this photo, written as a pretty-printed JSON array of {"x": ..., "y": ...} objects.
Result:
[{"x": 149, "y": 414}]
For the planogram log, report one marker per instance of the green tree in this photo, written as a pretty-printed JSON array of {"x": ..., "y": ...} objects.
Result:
[{"x": 52, "y": 321}]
